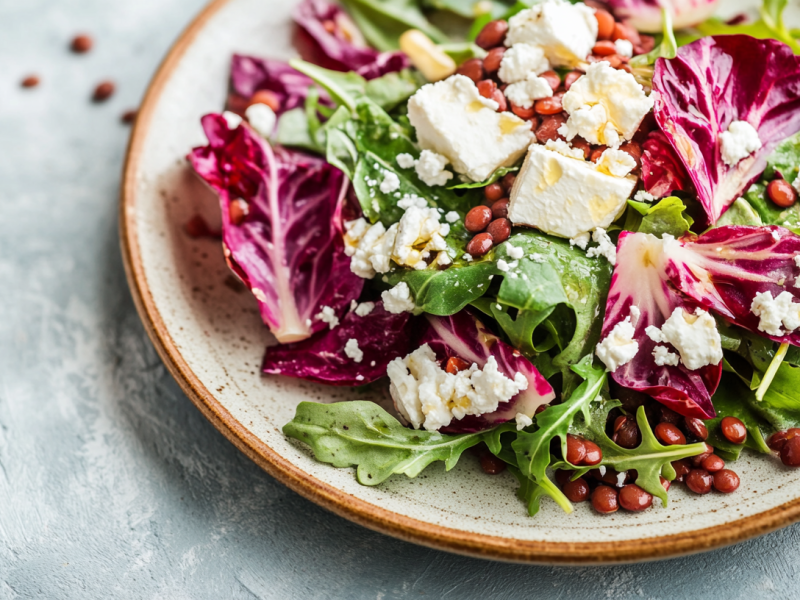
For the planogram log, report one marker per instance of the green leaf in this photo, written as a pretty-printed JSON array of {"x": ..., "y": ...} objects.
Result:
[
  {"x": 785, "y": 159},
  {"x": 733, "y": 399},
  {"x": 667, "y": 216},
  {"x": 740, "y": 213},
  {"x": 363, "y": 435},
  {"x": 769, "y": 212},
  {"x": 533, "y": 449},
  {"x": 462, "y": 51},
  {"x": 500, "y": 172},
  {"x": 391, "y": 89},
  {"x": 383, "y": 21},
  {"x": 293, "y": 130},
  {"x": 649, "y": 459},
  {"x": 769, "y": 26},
  {"x": 668, "y": 48}
]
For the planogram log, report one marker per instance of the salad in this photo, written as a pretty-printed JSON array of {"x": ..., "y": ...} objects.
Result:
[{"x": 562, "y": 236}]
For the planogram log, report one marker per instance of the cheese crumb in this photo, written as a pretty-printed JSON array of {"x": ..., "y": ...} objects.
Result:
[
  {"x": 642, "y": 196},
  {"x": 369, "y": 246},
  {"x": 524, "y": 93},
  {"x": 694, "y": 336},
  {"x": 619, "y": 347},
  {"x": 605, "y": 248},
  {"x": 738, "y": 142},
  {"x": 431, "y": 168},
  {"x": 427, "y": 396},
  {"x": 398, "y": 299},
  {"x": 797, "y": 261},
  {"x": 502, "y": 266},
  {"x": 522, "y": 60},
  {"x": 419, "y": 234},
  {"x": 352, "y": 350},
  {"x": 663, "y": 356},
  {"x": 565, "y": 149},
  {"x": 261, "y": 118},
  {"x": 605, "y": 106},
  {"x": 624, "y": 48},
  {"x": 775, "y": 313},
  {"x": 405, "y": 161},
  {"x": 452, "y": 217},
  {"x": 363, "y": 309},
  {"x": 523, "y": 421},
  {"x": 327, "y": 315},
  {"x": 514, "y": 251},
  {"x": 390, "y": 183},
  {"x": 796, "y": 183},
  {"x": 615, "y": 162},
  {"x": 581, "y": 240},
  {"x": 232, "y": 119}
]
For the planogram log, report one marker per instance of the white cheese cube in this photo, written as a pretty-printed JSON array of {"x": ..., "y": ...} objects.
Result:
[
  {"x": 452, "y": 119},
  {"x": 567, "y": 32},
  {"x": 565, "y": 196}
]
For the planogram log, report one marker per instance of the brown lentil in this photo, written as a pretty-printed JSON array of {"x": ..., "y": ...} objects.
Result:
[
  {"x": 480, "y": 244},
  {"x": 576, "y": 491},
  {"x": 790, "y": 453},
  {"x": 500, "y": 230},
  {"x": 781, "y": 193},
  {"x": 522, "y": 113},
  {"x": 478, "y": 218},
  {"x": 669, "y": 435},
  {"x": 103, "y": 91},
  {"x": 605, "y": 499},
  {"x": 634, "y": 498},
  {"x": 500, "y": 209},
  {"x": 129, "y": 116},
  {"x": 508, "y": 181},
  {"x": 549, "y": 106},
  {"x": 699, "y": 481},
  {"x": 492, "y": 465},
  {"x": 571, "y": 78},
  {"x": 265, "y": 97},
  {"x": 712, "y": 463},
  {"x": 238, "y": 211},
  {"x": 604, "y": 48},
  {"x": 696, "y": 428},
  {"x": 594, "y": 455},
  {"x": 605, "y": 24},
  {"x": 455, "y": 365},
  {"x": 725, "y": 481},
  {"x": 576, "y": 450},
  {"x": 491, "y": 63},
  {"x": 733, "y": 429},
  {"x": 493, "y": 192},
  {"x": 682, "y": 468},
  {"x": 472, "y": 68},
  {"x": 552, "y": 78},
  {"x": 493, "y": 34},
  {"x": 486, "y": 88},
  {"x": 31, "y": 81},
  {"x": 548, "y": 128},
  {"x": 81, "y": 44}
]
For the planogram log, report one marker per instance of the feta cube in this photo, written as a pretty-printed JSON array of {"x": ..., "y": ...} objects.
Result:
[
  {"x": 738, "y": 142},
  {"x": 452, "y": 119},
  {"x": 605, "y": 106},
  {"x": 522, "y": 60},
  {"x": 567, "y": 32},
  {"x": 564, "y": 196}
]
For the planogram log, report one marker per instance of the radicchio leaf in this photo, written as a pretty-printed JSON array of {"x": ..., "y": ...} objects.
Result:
[
  {"x": 645, "y": 15},
  {"x": 250, "y": 75},
  {"x": 327, "y": 37},
  {"x": 714, "y": 82},
  {"x": 463, "y": 336},
  {"x": 640, "y": 280},
  {"x": 726, "y": 267},
  {"x": 286, "y": 242},
  {"x": 662, "y": 169},
  {"x": 381, "y": 336}
]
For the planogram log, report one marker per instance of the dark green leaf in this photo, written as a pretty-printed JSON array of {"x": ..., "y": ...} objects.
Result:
[
  {"x": 784, "y": 159},
  {"x": 740, "y": 213},
  {"x": 363, "y": 435},
  {"x": 668, "y": 48},
  {"x": 383, "y": 21},
  {"x": 667, "y": 216},
  {"x": 500, "y": 172},
  {"x": 734, "y": 399}
]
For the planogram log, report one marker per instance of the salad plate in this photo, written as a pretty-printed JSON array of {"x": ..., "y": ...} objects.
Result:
[{"x": 210, "y": 333}]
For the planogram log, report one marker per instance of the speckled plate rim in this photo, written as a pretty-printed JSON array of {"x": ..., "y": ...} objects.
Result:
[{"x": 346, "y": 505}]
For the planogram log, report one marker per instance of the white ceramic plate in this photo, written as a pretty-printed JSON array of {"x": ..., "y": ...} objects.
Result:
[{"x": 208, "y": 332}]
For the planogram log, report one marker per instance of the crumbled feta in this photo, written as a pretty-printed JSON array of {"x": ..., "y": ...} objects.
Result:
[
  {"x": 564, "y": 149},
  {"x": 635, "y": 314},
  {"x": 738, "y": 142},
  {"x": 405, "y": 160},
  {"x": 539, "y": 258},
  {"x": 642, "y": 196},
  {"x": 390, "y": 183},
  {"x": 514, "y": 251},
  {"x": 232, "y": 119},
  {"x": 776, "y": 313},
  {"x": 615, "y": 162},
  {"x": 431, "y": 168},
  {"x": 398, "y": 299},
  {"x": 502, "y": 266},
  {"x": 605, "y": 106},
  {"x": 369, "y": 246},
  {"x": 797, "y": 261},
  {"x": 419, "y": 234},
  {"x": 566, "y": 197},
  {"x": 452, "y": 217},
  {"x": 452, "y": 119},
  {"x": 352, "y": 350},
  {"x": 694, "y": 336},
  {"x": 363, "y": 309},
  {"x": 410, "y": 200},
  {"x": 261, "y": 118},
  {"x": 619, "y": 347},
  {"x": 522, "y": 60},
  {"x": 581, "y": 240},
  {"x": 524, "y": 93},
  {"x": 427, "y": 396},
  {"x": 328, "y": 315},
  {"x": 605, "y": 248},
  {"x": 523, "y": 421},
  {"x": 567, "y": 32},
  {"x": 624, "y": 48},
  {"x": 796, "y": 183},
  {"x": 663, "y": 356}
]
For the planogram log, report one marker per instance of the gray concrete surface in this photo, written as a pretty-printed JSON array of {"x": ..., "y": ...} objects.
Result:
[{"x": 112, "y": 485}]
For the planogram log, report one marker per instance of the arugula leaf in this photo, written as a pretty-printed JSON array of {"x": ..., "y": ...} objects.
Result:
[
  {"x": 667, "y": 216},
  {"x": 383, "y": 21},
  {"x": 729, "y": 402},
  {"x": 785, "y": 159},
  {"x": 500, "y": 172},
  {"x": 769, "y": 212},
  {"x": 739, "y": 213},
  {"x": 362, "y": 434},
  {"x": 533, "y": 449},
  {"x": 650, "y": 459}
]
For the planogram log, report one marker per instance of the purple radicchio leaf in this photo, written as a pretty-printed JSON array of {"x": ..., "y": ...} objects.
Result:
[
  {"x": 288, "y": 86},
  {"x": 645, "y": 15},
  {"x": 381, "y": 337},
  {"x": 712, "y": 83},
  {"x": 328, "y": 37},
  {"x": 724, "y": 269},
  {"x": 281, "y": 227},
  {"x": 461, "y": 335},
  {"x": 640, "y": 280},
  {"x": 662, "y": 170}
]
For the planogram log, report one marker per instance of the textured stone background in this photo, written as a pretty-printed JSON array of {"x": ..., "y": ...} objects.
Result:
[{"x": 112, "y": 485}]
